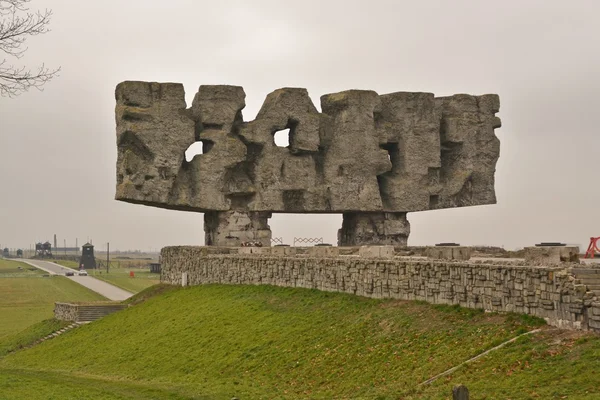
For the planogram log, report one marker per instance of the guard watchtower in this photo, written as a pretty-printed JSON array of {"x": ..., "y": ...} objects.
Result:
[
  {"x": 87, "y": 260},
  {"x": 47, "y": 250}
]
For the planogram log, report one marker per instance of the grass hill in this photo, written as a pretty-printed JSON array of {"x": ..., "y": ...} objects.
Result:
[
  {"x": 27, "y": 296},
  {"x": 262, "y": 342}
]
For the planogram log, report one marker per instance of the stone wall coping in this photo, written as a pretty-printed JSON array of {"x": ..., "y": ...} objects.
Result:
[{"x": 419, "y": 261}]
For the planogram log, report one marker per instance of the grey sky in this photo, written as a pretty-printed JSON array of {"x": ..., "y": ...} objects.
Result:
[{"x": 58, "y": 150}]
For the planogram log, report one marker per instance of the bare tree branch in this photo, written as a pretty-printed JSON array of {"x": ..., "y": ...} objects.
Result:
[{"x": 16, "y": 26}]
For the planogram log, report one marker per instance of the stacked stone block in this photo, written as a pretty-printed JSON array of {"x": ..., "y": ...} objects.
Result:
[
  {"x": 448, "y": 252},
  {"x": 376, "y": 251},
  {"x": 544, "y": 255},
  {"x": 549, "y": 292}
]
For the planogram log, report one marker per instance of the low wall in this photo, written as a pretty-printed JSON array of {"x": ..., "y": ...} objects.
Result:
[
  {"x": 66, "y": 311},
  {"x": 549, "y": 292}
]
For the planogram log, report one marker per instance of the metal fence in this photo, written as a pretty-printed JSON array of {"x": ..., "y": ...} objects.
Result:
[{"x": 312, "y": 241}]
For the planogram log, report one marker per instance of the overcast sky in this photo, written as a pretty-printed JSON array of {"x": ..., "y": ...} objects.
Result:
[{"x": 58, "y": 147}]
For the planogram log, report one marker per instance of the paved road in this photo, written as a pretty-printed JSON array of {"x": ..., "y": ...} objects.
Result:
[{"x": 107, "y": 290}]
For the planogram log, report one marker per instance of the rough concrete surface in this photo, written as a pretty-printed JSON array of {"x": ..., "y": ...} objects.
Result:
[{"x": 371, "y": 157}]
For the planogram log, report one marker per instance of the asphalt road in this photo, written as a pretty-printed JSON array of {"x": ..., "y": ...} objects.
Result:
[{"x": 107, "y": 290}]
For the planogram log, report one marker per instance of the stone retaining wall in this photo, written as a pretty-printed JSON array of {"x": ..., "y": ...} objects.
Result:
[
  {"x": 549, "y": 292},
  {"x": 66, "y": 311}
]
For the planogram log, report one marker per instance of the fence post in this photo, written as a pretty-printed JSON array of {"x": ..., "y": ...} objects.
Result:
[
  {"x": 460, "y": 392},
  {"x": 184, "y": 279}
]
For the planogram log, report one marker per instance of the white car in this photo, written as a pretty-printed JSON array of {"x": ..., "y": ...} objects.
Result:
[{"x": 82, "y": 273}]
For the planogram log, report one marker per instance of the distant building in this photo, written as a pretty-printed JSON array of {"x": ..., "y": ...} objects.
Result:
[
  {"x": 87, "y": 260},
  {"x": 155, "y": 268},
  {"x": 43, "y": 250}
]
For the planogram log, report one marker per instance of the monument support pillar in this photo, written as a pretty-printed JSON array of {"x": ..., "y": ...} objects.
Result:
[
  {"x": 374, "y": 228},
  {"x": 232, "y": 228}
]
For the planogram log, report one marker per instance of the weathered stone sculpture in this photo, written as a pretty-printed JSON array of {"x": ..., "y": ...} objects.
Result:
[{"x": 371, "y": 157}]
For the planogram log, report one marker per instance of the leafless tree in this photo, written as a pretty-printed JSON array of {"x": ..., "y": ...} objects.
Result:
[{"x": 16, "y": 25}]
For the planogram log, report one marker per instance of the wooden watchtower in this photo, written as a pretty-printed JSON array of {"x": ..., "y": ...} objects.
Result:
[{"x": 87, "y": 260}]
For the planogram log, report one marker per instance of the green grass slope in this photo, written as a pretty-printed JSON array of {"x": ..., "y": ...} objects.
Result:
[
  {"x": 261, "y": 342},
  {"x": 26, "y": 297},
  {"x": 30, "y": 335}
]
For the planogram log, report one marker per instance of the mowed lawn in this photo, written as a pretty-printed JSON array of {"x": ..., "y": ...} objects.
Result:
[
  {"x": 119, "y": 275},
  {"x": 27, "y": 296},
  {"x": 262, "y": 342}
]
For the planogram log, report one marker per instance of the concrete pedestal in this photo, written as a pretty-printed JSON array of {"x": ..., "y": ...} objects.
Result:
[
  {"x": 374, "y": 228},
  {"x": 232, "y": 228}
]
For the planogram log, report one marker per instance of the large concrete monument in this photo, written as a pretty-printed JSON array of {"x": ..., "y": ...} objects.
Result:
[{"x": 371, "y": 157}]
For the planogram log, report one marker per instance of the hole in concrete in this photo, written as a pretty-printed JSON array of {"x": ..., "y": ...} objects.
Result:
[
  {"x": 434, "y": 201},
  {"x": 282, "y": 138},
  {"x": 393, "y": 150},
  {"x": 197, "y": 148},
  {"x": 208, "y": 125}
]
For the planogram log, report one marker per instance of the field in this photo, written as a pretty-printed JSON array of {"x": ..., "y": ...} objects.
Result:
[
  {"x": 262, "y": 342},
  {"x": 27, "y": 296},
  {"x": 118, "y": 274}
]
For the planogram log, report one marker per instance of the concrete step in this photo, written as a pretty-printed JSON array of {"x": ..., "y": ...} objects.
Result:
[
  {"x": 93, "y": 313},
  {"x": 585, "y": 271},
  {"x": 593, "y": 288},
  {"x": 98, "y": 311},
  {"x": 92, "y": 317},
  {"x": 590, "y": 281},
  {"x": 585, "y": 279}
]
